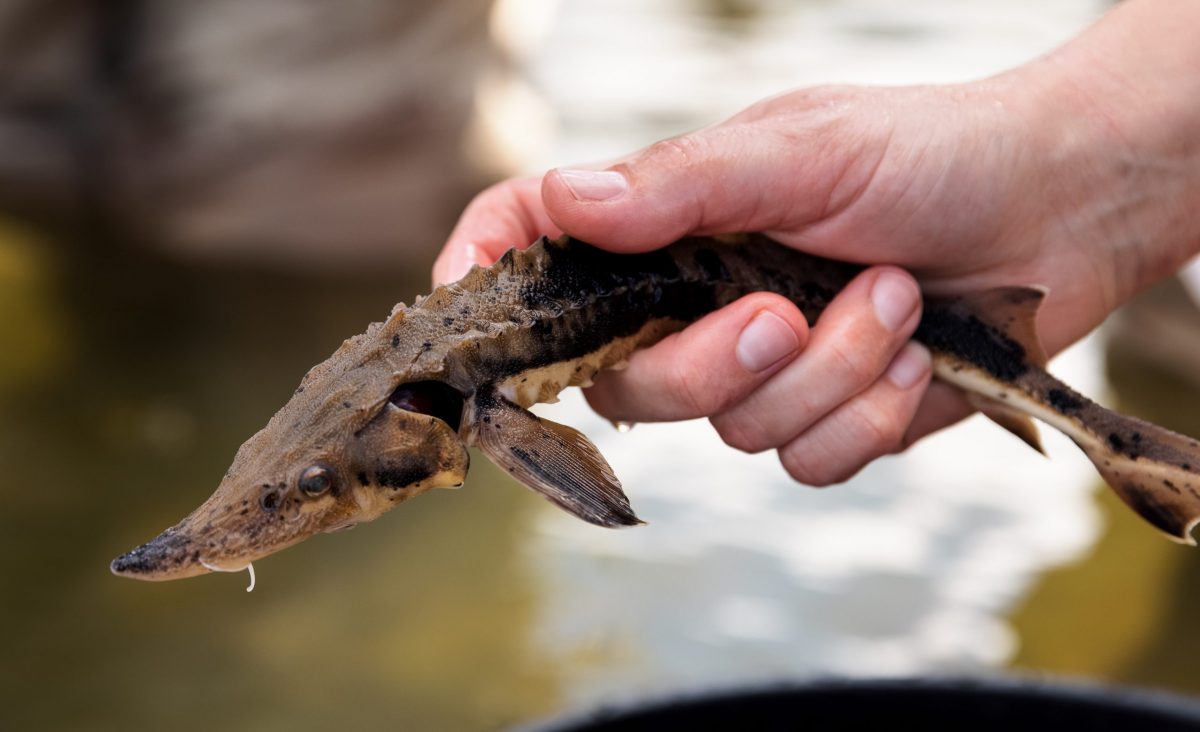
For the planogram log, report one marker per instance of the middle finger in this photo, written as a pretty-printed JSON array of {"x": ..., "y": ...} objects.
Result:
[{"x": 851, "y": 345}]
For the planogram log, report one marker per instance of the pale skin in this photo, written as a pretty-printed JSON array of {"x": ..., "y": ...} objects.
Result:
[{"x": 1079, "y": 172}]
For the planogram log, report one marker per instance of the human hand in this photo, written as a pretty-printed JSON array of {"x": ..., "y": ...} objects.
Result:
[{"x": 1052, "y": 174}]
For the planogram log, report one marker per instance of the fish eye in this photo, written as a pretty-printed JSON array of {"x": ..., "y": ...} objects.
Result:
[
  {"x": 432, "y": 398},
  {"x": 315, "y": 480}
]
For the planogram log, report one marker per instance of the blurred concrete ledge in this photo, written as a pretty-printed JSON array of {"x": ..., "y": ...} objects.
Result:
[
  {"x": 296, "y": 133},
  {"x": 1160, "y": 329}
]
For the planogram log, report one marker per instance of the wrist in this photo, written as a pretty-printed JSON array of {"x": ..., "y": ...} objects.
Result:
[{"x": 1116, "y": 118}]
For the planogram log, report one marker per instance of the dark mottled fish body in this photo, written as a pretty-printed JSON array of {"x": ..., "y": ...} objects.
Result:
[
  {"x": 557, "y": 303},
  {"x": 388, "y": 416}
]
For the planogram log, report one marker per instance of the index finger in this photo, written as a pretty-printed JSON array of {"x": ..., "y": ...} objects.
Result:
[
  {"x": 707, "y": 367},
  {"x": 507, "y": 215}
]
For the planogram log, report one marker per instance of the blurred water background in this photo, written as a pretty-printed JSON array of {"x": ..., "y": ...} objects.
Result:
[{"x": 201, "y": 201}]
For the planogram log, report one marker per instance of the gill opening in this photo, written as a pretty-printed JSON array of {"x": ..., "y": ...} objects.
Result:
[{"x": 432, "y": 398}]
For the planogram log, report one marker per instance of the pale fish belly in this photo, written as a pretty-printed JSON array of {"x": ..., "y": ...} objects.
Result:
[
  {"x": 975, "y": 381},
  {"x": 542, "y": 384}
]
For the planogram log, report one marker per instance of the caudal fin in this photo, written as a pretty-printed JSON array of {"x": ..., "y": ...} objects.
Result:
[
  {"x": 987, "y": 345},
  {"x": 1154, "y": 470}
]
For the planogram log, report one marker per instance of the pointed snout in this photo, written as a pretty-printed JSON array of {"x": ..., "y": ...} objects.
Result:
[{"x": 170, "y": 555}]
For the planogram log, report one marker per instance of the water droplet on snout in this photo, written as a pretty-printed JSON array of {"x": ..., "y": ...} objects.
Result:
[{"x": 623, "y": 426}]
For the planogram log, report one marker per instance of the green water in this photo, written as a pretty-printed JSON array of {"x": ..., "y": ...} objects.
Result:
[
  {"x": 127, "y": 384},
  {"x": 1128, "y": 611}
]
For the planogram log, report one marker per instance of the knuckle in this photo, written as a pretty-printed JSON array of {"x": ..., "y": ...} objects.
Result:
[
  {"x": 719, "y": 399},
  {"x": 682, "y": 151},
  {"x": 883, "y": 431},
  {"x": 686, "y": 384},
  {"x": 741, "y": 433},
  {"x": 800, "y": 103},
  {"x": 800, "y": 468},
  {"x": 817, "y": 468},
  {"x": 853, "y": 363},
  {"x": 698, "y": 389}
]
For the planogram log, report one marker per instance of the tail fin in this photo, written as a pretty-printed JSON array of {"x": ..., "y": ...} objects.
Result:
[
  {"x": 1154, "y": 470},
  {"x": 987, "y": 344}
]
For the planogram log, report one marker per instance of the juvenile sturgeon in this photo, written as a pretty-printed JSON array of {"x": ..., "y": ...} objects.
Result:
[{"x": 391, "y": 413}]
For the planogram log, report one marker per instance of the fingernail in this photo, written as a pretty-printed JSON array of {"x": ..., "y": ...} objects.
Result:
[
  {"x": 895, "y": 297},
  {"x": 594, "y": 185},
  {"x": 764, "y": 341},
  {"x": 909, "y": 366}
]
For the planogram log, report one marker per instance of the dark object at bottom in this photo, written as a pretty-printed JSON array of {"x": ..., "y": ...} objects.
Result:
[{"x": 975, "y": 705}]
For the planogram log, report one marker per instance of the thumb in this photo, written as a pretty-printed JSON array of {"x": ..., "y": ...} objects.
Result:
[{"x": 738, "y": 176}]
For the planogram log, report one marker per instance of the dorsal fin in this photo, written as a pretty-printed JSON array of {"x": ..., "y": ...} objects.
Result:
[{"x": 1012, "y": 311}]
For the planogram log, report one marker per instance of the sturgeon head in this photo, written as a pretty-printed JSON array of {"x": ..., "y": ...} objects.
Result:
[
  {"x": 359, "y": 436},
  {"x": 386, "y": 418}
]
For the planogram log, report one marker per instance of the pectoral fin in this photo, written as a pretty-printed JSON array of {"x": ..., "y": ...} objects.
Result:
[{"x": 556, "y": 461}]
